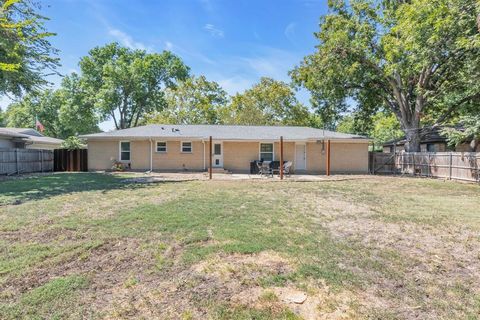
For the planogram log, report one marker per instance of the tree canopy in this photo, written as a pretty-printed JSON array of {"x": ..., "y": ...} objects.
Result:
[
  {"x": 269, "y": 102},
  {"x": 420, "y": 59},
  {"x": 64, "y": 112},
  {"x": 127, "y": 84},
  {"x": 194, "y": 101},
  {"x": 26, "y": 55}
]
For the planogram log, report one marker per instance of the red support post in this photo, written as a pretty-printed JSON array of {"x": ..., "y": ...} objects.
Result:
[
  {"x": 328, "y": 157},
  {"x": 211, "y": 158},
  {"x": 281, "y": 158}
]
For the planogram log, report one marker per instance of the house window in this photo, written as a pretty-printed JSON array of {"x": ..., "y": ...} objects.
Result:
[
  {"x": 186, "y": 147},
  {"x": 161, "y": 146},
  {"x": 431, "y": 147},
  {"x": 124, "y": 150},
  {"x": 266, "y": 151},
  {"x": 217, "y": 149}
]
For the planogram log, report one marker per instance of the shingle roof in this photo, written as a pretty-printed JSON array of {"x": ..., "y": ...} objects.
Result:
[
  {"x": 27, "y": 131},
  {"x": 11, "y": 133},
  {"x": 29, "y": 135},
  {"x": 221, "y": 132},
  {"x": 426, "y": 135}
]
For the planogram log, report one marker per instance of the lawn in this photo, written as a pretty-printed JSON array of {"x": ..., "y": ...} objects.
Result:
[{"x": 104, "y": 247}]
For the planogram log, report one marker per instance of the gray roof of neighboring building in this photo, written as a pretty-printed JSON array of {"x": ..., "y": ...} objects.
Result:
[
  {"x": 27, "y": 131},
  {"x": 222, "y": 132},
  {"x": 29, "y": 135},
  {"x": 427, "y": 135},
  {"x": 11, "y": 133}
]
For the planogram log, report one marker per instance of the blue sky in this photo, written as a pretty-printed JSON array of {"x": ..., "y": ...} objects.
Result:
[{"x": 232, "y": 42}]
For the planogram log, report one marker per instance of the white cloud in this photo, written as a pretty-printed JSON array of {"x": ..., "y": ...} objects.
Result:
[
  {"x": 127, "y": 40},
  {"x": 214, "y": 32},
  {"x": 271, "y": 62},
  {"x": 234, "y": 84},
  {"x": 290, "y": 31},
  {"x": 168, "y": 45},
  {"x": 188, "y": 53}
]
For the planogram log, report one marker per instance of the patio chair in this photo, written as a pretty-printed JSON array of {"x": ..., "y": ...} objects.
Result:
[
  {"x": 264, "y": 168},
  {"x": 286, "y": 167}
]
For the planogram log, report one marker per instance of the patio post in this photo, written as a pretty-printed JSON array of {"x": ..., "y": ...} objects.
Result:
[
  {"x": 210, "y": 165},
  {"x": 281, "y": 157},
  {"x": 328, "y": 157}
]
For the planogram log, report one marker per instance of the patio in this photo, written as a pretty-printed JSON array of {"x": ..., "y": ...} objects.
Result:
[{"x": 192, "y": 176}]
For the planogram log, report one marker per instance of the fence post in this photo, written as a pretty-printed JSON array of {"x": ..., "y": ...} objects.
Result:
[
  {"x": 41, "y": 160},
  {"x": 428, "y": 166},
  {"x": 373, "y": 163},
  {"x": 476, "y": 167},
  {"x": 17, "y": 162},
  {"x": 450, "y": 167},
  {"x": 413, "y": 163}
]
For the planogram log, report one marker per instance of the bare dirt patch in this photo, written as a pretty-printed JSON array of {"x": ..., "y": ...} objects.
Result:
[{"x": 244, "y": 268}]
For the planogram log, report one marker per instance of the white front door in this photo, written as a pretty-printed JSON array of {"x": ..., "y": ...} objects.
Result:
[
  {"x": 218, "y": 155},
  {"x": 300, "y": 156}
]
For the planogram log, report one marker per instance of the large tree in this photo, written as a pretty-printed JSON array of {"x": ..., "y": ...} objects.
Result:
[
  {"x": 26, "y": 55},
  {"x": 194, "y": 101},
  {"x": 269, "y": 102},
  {"x": 418, "y": 58},
  {"x": 127, "y": 84},
  {"x": 383, "y": 126},
  {"x": 64, "y": 112}
]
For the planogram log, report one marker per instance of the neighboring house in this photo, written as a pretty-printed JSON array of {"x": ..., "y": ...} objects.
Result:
[
  {"x": 25, "y": 138},
  {"x": 432, "y": 141},
  {"x": 186, "y": 147}
]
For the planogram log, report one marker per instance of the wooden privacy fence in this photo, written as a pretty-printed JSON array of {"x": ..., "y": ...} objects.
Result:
[
  {"x": 449, "y": 165},
  {"x": 70, "y": 160},
  {"x": 18, "y": 161}
]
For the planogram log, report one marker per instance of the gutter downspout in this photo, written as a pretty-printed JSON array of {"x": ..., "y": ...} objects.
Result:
[{"x": 151, "y": 155}]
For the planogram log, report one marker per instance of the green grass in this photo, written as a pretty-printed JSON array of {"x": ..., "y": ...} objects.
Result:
[
  {"x": 51, "y": 300},
  {"x": 95, "y": 237}
]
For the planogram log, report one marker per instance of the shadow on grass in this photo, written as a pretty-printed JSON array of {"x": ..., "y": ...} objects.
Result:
[{"x": 21, "y": 190}]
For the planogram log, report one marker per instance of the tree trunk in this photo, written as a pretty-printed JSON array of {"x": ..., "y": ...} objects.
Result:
[
  {"x": 473, "y": 145},
  {"x": 413, "y": 139}
]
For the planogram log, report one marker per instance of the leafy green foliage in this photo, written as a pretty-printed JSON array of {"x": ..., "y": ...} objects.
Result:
[
  {"x": 194, "y": 101},
  {"x": 469, "y": 133},
  {"x": 127, "y": 84},
  {"x": 420, "y": 59},
  {"x": 25, "y": 52},
  {"x": 64, "y": 112},
  {"x": 74, "y": 143},
  {"x": 269, "y": 102},
  {"x": 3, "y": 122},
  {"x": 386, "y": 127}
]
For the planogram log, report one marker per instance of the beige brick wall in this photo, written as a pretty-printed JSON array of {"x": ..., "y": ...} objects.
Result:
[
  {"x": 315, "y": 158},
  {"x": 101, "y": 153},
  {"x": 175, "y": 160},
  {"x": 140, "y": 154},
  {"x": 237, "y": 155},
  {"x": 344, "y": 158}
]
